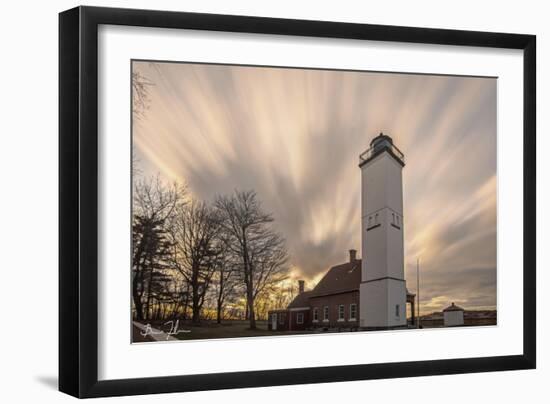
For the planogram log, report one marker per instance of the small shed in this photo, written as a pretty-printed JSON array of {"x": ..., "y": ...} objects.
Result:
[{"x": 453, "y": 316}]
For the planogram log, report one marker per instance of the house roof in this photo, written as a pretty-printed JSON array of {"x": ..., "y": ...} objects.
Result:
[
  {"x": 339, "y": 279},
  {"x": 452, "y": 307},
  {"x": 301, "y": 300}
]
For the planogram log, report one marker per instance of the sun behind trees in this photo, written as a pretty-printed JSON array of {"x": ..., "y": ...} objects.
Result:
[
  {"x": 194, "y": 261},
  {"x": 248, "y": 235}
]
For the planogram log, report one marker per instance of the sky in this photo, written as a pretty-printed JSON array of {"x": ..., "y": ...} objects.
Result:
[{"x": 295, "y": 135}]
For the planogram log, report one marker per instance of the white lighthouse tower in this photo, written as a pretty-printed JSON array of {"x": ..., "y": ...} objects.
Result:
[{"x": 382, "y": 292}]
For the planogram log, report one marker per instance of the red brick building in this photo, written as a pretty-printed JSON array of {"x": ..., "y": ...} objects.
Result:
[{"x": 333, "y": 302}]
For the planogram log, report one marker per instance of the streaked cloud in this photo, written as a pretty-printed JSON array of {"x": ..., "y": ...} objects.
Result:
[{"x": 295, "y": 135}]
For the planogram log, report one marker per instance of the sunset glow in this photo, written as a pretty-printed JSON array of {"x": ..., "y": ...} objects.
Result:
[{"x": 295, "y": 135}]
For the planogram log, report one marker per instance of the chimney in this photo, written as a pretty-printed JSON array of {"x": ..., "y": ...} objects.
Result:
[
  {"x": 352, "y": 255},
  {"x": 301, "y": 286}
]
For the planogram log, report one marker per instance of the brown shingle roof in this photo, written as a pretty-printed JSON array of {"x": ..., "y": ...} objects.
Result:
[
  {"x": 339, "y": 279},
  {"x": 301, "y": 300}
]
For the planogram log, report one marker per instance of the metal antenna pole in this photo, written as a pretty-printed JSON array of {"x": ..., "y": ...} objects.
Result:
[{"x": 418, "y": 290}]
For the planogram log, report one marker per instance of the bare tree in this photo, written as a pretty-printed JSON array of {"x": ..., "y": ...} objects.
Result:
[
  {"x": 269, "y": 260},
  {"x": 153, "y": 208},
  {"x": 281, "y": 294},
  {"x": 140, "y": 94},
  {"x": 249, "y": 237},
  {"x": 197, "y": 249},
  {"x": 226, "y": 283}
]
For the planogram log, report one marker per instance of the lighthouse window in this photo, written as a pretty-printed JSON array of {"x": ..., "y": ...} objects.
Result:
[
  {"x": 397, "y": 218},
  {"x": 396, "y": 310},
  {"x": 370, "y": 221},
  {"x": 393, "y": 217},
  {"x": 376, "y": 219}
]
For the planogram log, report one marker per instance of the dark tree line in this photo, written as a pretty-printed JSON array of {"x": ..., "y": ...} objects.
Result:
[
  {"x": 194, "y": 260},
  {"x": 154, "y": 210}
]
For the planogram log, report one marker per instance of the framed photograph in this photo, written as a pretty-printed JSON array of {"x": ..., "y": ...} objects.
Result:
[{"x": 250, "y": 201}]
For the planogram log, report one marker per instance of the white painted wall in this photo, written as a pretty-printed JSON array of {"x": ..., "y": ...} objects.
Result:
[
  {"x": 397, "y": 295},
  {"x": 396, "y": 243},
  {"x": 379, "y": 299},
  {"x": 374, "y": 248},
  {"x": 383, "y": 246},
  {"x": 373, "y": 301},
  {"x": 453, "y": 318},
  {"x": 376, "y": 180},
  {"x": 382, "y": 195}
]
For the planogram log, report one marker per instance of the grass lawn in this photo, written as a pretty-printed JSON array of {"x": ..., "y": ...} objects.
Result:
[{"x": 228, "y": 329}]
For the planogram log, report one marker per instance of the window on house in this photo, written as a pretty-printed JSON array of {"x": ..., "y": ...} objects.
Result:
[
  {"x": 353, "y": 311},
  {"x": 325, "y": 313},
  {"x": 341, "y": 312},
  {"x": 300, "y": 318},
  {"x": 396, "y": 310},
  {"x": 282, "y": 318},
  {"x": 315, "y": 314}
]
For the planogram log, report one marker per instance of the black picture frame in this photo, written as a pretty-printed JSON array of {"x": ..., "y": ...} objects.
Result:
[{"x": 78, "y": 200}]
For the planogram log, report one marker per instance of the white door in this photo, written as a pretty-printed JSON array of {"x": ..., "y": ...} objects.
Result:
[{"x": 274, "y": 322}]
